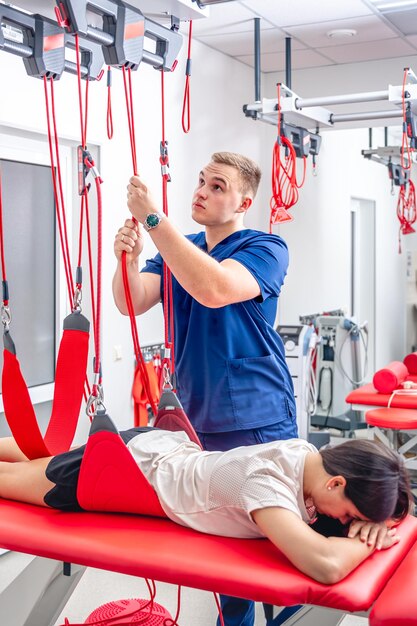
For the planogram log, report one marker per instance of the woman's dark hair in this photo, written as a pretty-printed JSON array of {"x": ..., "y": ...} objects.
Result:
[{"x": 377, "y": 481}]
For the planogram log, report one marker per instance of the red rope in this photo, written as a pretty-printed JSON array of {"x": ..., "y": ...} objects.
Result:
[
  {"x": 406, "y": 211},
  {"x": 174, "y": 622},
  {"x": 405, "y": 144},
  {"x": 89, "y": 164},
  {"x": 3, "y": 261},
  {"x": 83, "y": 114},
  {"x": 123, "y": 616},
  {"x": 135, "y": 337},
  {"x": 127, "y": 81},
  {"x": 109, "y": 116},
  {"x": 58, "y": 197},
  {"x": 65, "y": 243},
  {"x": 90, "y": 260},
  {"x": 97, "y": 342},
  {"x": 219, "y": 609},
  {"x": 168, "y": 362},
  {"x": 186, "y": 108},
  {"x": 53, "y": 143}
]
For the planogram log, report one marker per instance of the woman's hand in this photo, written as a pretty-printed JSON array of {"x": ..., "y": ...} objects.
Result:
[
  {"x": 129, "y": 239},
  {"x": 377, "y": 536}
]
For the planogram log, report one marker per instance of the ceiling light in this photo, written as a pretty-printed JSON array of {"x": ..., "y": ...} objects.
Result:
[{"x": 341, "y": 33}]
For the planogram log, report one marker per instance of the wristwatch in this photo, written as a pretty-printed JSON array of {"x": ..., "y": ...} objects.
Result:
[{"x": 152, "y": 220}]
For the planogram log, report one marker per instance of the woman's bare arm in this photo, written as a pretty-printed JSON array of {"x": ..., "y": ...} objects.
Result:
[{"x": 326, "y": 559}]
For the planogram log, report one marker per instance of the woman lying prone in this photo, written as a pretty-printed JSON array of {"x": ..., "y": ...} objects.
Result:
[{"x": 272, "y": 490}]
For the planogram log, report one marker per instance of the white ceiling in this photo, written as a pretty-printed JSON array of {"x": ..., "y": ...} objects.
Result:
[{"x": 230, "y": 27}]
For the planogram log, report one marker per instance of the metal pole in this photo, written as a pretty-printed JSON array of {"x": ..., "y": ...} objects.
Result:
[
  {"x": 71, "y": 68},
  {"x": 257, "y": 53},
  {"x": 371, "y": 96},
  {"x": 371, "y": 115},
  {"x": 288, "y": 62},
  {"x": 100, "y": 36},
  {"x": 256, "y": 106},
  {"x": 152, "y": 59},
  {"x": 17, "y": 48}
]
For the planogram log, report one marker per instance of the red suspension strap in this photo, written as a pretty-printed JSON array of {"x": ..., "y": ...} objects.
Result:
[
  {"x": 127, "y": 81},
  {"x": 284, "y": 175},
  {"x": 186, "y": 108}
]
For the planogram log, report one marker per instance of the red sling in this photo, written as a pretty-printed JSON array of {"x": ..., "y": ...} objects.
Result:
[{"x": 69, "y": 387}]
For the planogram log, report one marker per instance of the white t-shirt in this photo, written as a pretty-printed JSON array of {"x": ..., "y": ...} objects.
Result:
[{"x": 215, "y": 492}]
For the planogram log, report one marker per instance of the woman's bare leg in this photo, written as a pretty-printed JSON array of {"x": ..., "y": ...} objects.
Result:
[
  {"x": 10, "y": 451},
  {"x": 25, "y": 481}
]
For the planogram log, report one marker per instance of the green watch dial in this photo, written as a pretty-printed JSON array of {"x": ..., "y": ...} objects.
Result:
[{"x": 152, "y": 220}]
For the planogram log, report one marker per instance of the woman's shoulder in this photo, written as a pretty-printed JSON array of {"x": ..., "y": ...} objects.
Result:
[{"x": 293, "y": 445}]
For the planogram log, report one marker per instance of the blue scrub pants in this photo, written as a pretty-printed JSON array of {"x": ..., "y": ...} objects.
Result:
[{"x": 237, "y": 611}]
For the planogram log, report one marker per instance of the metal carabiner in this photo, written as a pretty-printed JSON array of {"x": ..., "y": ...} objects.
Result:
[
  {"x": 166, "y": 375},
  {"x": 95, "y": 403},
  {"x": 6, "y": 316},
  {"x": 78, "y": 296}
]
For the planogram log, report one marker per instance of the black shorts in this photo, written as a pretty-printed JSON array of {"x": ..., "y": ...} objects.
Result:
[{"x": 64, "y": 469}]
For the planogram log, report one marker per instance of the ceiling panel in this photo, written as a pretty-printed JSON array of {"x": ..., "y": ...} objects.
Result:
[
  {"x": 369, "y": 51},
  {"x": 403, "y": 19},
  {"x": 284, "y": 13},
  {"x": 225, "y": 18},
  {"x": 369, "y": 28},
  {"x": 299, "y": 59},
  {"x": 412, "y": 40},
  {"x": 239, "y": 44}
]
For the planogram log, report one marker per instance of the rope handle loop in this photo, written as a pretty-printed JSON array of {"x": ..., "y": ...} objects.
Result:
[
  {"x": 109, "y": 116},
  {"x": 186, "y": 105}
]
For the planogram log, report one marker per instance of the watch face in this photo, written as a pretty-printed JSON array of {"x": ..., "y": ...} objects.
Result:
[{"x": 152, "y": 220}]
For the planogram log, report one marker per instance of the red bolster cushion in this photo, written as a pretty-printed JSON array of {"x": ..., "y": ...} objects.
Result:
[
  {"x": 390, "y": 377},
  {"x": 410, "y": 362}
]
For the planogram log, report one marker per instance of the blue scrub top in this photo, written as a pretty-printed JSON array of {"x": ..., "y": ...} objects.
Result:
[{"x": 230, "y": 362}]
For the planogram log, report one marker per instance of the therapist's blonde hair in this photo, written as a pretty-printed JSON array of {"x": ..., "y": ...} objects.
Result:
[{"x": 249, "y": 172}]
